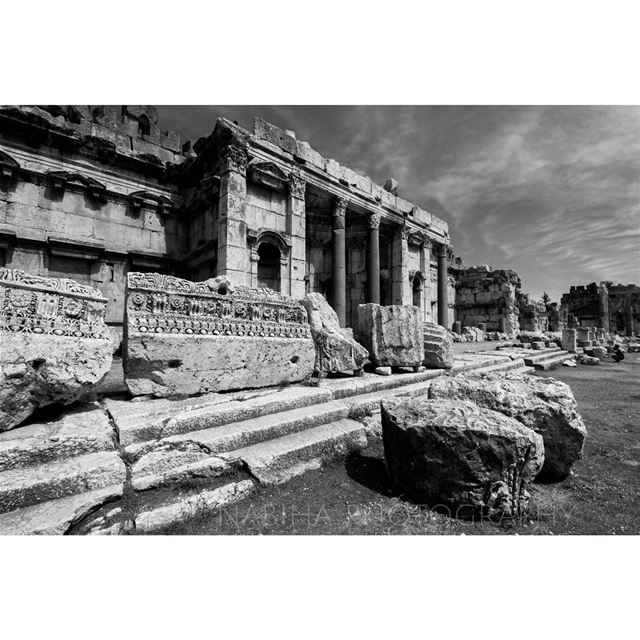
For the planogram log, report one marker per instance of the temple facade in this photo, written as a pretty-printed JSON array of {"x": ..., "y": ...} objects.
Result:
[{"x": 92, "y": 193}]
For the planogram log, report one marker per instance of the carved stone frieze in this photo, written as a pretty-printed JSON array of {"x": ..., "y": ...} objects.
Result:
[
  {"x": 159, "y": 303},
  {"x": 56, "y": 306}
]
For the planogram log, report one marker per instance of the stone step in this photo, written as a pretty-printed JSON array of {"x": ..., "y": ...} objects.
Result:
[
  {"x": 543, "y": 355},
  {"x": 82, "y": 430},
  {"x": 56, "y": 517},
  {"x": 154, "y": 419},
  {"x": 26, "y": 486},
  {"x": 277, "y": 461},
  {"x": 550, "y": 363},
  {"x": 198, "y": 453}
]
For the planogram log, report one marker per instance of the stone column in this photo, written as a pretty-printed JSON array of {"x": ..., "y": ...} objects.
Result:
[
  {"x": 400, "y": 285},
  {"x": 425, "y": 268},
  {"x": 443, "y": 285},
  {"x": 373, "y": 267},
  {"x": 296, "y": 228},
  {"x": 232, "y": 241},
  {"x": 338, "y": 262}
]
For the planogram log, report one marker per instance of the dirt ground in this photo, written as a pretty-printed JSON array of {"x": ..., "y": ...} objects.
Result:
[{"x": 354, "y": 496}]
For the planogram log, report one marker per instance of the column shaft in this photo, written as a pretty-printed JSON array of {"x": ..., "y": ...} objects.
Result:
[
  {"x": 338, "y": 262},
  {"x": 443, "y": 282},
  {"x": 373, "y": 267}
]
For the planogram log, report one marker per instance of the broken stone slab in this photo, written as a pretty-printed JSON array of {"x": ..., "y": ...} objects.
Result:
[
  {"x": 452, "y": 452},
  {"x": 543, "y": 404},
  {"x": 185, "y": 338},
  {"x": 56, "y": 346},
  {"x": 383, "y": 371},
  {"x": 438, "y": 347},
  {"x": 392, "y": 335},
  {"x": 169, "y": 466},
  {"x": 584, "y": 359},
  {"x": 336, "y": 350},
  {"x": 191, "y": 505},
  {"x": 56, "y": 517},
  {"x": 84, "y": 429},
  {"x": 26, "y": 486}
]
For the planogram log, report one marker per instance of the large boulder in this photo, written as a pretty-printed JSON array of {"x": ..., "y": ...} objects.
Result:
[
  {"x": 543, "y": 404},
  {"x": 55, "y": 345},
  {"x": 336, "y": 350},
  {"x": 392, "y": 335},
  {"x": 438, "y": 347},
  {"x": 454, "y": 453},
  {"x": 185, "y": 338}
]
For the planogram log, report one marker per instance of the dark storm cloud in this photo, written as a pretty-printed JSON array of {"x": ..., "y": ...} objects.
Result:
[{"x": 552, "y": 192}]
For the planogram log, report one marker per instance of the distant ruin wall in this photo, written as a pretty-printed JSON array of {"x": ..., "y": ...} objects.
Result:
[{"x": 487, "y": 296}]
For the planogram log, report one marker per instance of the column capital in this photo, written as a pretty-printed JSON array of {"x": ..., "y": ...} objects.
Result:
[
  {"x": 374, "y": 220},
  {"x": 297, "y": 186},
  {"x": 441, "y": 250},
  {"x": 233, "y": 159},
  {"x": 404, "y": 232},
  {"x": 339, "y": 211}
]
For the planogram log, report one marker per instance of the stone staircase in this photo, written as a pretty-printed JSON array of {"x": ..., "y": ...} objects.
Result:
[
  {"x": 166, "y": 460},
  {"x": 547, "y": 359}
]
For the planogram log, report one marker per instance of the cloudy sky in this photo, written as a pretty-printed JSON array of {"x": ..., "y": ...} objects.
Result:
[{"x": 552, "y": 192}]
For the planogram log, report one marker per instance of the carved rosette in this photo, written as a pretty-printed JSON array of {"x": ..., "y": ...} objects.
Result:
[
  {"x": 164, "y": 304},
  {"x": 374, "y": 220},
  {"x": 297, "y": 186},
  {"x": 339, "y": 212},
  {"x": 54, "y": 306},
  {"x": 233, "y": 159}
]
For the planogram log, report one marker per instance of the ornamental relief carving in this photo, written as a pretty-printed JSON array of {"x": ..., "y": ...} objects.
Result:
[
  {"x": 59, "y": 307},
  {"x": 164, "y": 304}
]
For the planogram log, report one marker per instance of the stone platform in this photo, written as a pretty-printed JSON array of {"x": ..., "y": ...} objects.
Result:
[{"x": 140, "y": 466}]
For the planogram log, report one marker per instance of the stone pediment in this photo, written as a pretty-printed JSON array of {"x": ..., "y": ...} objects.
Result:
[
  {"x": 60, "y": 180},
  {"x": 267, "y": 174},
  {"x": 140, "y": 199},
  {"x": 8, "y": 165}
]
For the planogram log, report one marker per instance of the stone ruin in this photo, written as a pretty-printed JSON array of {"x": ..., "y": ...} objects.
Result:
[
  {"x": 336, "y": 350},
  {"x": 487, "y": 299},
  {"x": 185, "y": 338},
  {"x": 55, "y": 344},
  {"x": 393, "y": 335}
]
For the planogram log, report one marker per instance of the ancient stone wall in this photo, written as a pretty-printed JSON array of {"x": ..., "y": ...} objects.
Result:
[
  {"x": 91, "y": 197},
  {"x": 487, "y": 296}
]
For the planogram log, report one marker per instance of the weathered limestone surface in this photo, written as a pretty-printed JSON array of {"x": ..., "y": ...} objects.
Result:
[
  {"x": 55, "y": 346},
  {"x": 336, "y": 350},
  {"x": 543, "y": 404},
  {"x": 455, "y": 453},
  {"x": 569, "y": 340},
  {"x": 393, "y": 335},
  {"x": 84, "y": 429},
  {"x": 438, "y": 347},
  {"x": 186, "y": 338}
]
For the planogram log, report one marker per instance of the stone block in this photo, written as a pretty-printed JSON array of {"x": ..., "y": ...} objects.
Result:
[
  {"x": 454, "y": 453},
  {"x": 543, "y": 404},
  {"x": 56, "y": 346},
  {"x": 185, "y": 338},
  {"x": 392, "y": 335},
  {"x": 569, "y": 342},
  {"x": 336, "y": 350},
  {"x": 438, "y": 347}
]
